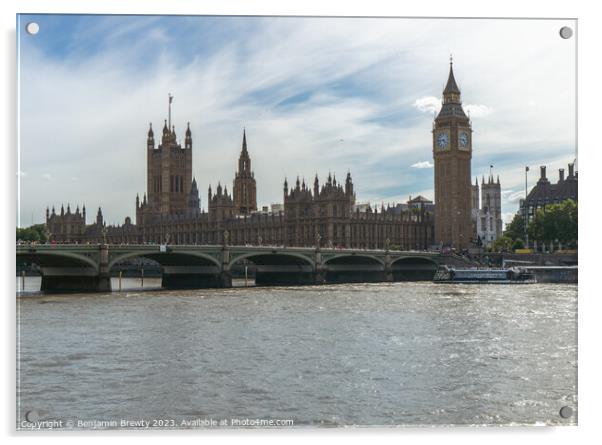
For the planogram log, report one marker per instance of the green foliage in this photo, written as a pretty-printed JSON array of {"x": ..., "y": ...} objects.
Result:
[
  {"x": 516, "y": 228},
  {"x": 36, "y": 233},
  {"x": 518, "y": 244},
  {"x": 557, "y": 223},
  {"x": 502, "y": 244}
]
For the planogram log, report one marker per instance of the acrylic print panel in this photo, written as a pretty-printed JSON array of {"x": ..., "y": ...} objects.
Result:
[{"x": 286, "y": 222}]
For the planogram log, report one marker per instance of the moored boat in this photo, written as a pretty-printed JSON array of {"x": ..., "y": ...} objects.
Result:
[{"x": 514, "y": 275}]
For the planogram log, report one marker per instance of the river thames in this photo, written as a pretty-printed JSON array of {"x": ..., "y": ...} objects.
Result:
[{"x": 355, "y": 354}]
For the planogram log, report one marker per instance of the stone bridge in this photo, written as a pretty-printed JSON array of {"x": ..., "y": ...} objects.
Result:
[{"x": 88, "y": 268}]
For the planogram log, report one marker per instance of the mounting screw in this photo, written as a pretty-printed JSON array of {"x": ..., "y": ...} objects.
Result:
[
  {"x": 32, "y": 416},
  {"x": 566, "y": 32},
  {"x": 32, "y": 28},
  {"x": 566, "y": 412}
]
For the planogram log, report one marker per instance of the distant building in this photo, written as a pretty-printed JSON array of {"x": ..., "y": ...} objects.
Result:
[
  {"x": 362, "y": 207},
  {"x": 545, "y": 193},
  {"x": 72, "y": 226},
  {"x": 421, "y": 203},
  {"x": 487, "y": 214},
  {"x": 277, "y": 208}
]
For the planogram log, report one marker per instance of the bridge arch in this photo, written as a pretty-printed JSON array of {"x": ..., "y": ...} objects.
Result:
[
  {"x": 290, "y": 258},
  {"x": 414, "y": 268},
  {"x": 277, "y": 268},
  {"x": 181, "y": 269},
  {"x": 168, "y": 258},
  {"x": 351, "y": 258},
  {"x": 58, "y": 259},
  {"x": 354, "y": 268}
]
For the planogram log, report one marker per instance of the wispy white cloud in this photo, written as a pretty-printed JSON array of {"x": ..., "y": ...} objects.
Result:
[
  {"x": 475, "y": 110},
  {"x": 507, "y": 217},
  {"x": 428, "y": 104},
  {"x": 515, "y": 196},
  {"x": 47, "y": 176},
  {"x": 422, "y": 164}
]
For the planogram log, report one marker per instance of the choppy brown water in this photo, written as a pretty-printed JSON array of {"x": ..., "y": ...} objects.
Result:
[{"x": 366, "y": 354}]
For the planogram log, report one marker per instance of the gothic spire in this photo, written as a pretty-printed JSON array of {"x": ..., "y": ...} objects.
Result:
[
  {"x": 452, "y": 86},
  {"x": 188, "y": 138},
  {"x": 244, "y": 141}
]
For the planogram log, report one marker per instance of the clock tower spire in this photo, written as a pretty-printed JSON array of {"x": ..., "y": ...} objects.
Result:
[{"x": 452, "y": 153}]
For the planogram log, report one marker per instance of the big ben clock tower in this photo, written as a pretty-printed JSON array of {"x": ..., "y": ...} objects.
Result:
[{"x": 452, "y": 153}]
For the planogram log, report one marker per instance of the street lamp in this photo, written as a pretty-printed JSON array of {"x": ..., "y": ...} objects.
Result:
[{"x": 525, "y": 209}]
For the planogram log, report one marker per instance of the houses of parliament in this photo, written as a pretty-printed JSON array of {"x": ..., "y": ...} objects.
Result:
[{"x": 311, "y": 214}]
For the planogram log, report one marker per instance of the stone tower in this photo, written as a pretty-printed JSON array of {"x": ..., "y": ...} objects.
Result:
[
  {"x": 475, "y": 208},
  {"x": 169, "y": 170},
  {"x": 491, "y": 208},
  {"x": 245, "y": 189},
  {"x": 452, "y": 153}
]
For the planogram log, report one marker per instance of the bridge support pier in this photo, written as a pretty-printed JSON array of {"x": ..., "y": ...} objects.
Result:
[
  {"x": 225, "y": 278},
  {"x": 319, "y": 277}
]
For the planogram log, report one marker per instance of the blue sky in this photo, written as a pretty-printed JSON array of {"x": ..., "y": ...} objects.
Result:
[{"x": 314, "y": 94}]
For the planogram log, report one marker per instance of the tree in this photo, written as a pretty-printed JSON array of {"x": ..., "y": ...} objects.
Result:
[
  {"x": 35, "y": 233},
  {"x": 557, "y": 222},
  {"x": 518, "y": 244},
  {"x": 502, "y": 244},
  {"x": 516, "y": 228}
]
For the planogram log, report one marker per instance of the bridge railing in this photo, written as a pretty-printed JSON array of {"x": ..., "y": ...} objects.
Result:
[{"x": 45, "y": 246}]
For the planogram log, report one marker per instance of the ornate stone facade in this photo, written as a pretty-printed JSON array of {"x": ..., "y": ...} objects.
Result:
[
  {"x": 245, "y": 189},
  {"x": 452, "y": 153},
  {"x": 487, "y": 214},
  {"x": 170, "y": 211}
]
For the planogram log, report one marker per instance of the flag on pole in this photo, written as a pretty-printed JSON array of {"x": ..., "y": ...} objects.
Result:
[
  {"x": 170, "y": 98},
  {"x": 527, "y": 168}
]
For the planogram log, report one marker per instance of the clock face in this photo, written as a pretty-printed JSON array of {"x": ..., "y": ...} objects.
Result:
[
  {"x": 442, "y": 140},
  {"x": 463, "y": 139}
]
